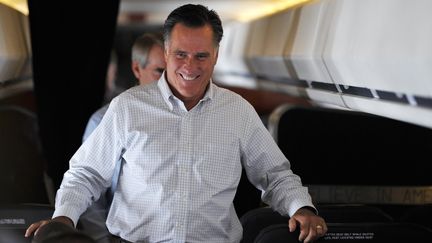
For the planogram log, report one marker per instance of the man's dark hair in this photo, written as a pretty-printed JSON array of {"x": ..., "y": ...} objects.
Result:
[{"x": 192, "y": 15}]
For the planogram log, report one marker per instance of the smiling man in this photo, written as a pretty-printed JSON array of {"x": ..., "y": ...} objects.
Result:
[
  {"x": 191, "y": 55},
  {"x": 183, "y": 162}
]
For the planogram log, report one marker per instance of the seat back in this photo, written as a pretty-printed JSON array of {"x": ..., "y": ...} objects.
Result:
[
  {"x": 353, "y": 213},
  {"x": 15, "y": 219},
  {"x": 348, "y": 157},
  {"x": 256, "y": 220},
  {"x": 55, "y": 232},
  {"x": 339, "y": 147},
  {"x": 277, "y": 233},
  {"x": 21, "y": 160},
  {"x": 247, "y": 197},
  {"x": 421, "y": 215},
  {"x": 353, "y": 233}
]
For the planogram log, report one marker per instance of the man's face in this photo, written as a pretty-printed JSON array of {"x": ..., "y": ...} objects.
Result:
[
  {"x": 190, "y": 55},
  {"x": 154, "y": 68}
]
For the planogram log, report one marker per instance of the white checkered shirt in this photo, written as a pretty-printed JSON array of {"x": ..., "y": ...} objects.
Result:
[{"x": 181, "y": 168}]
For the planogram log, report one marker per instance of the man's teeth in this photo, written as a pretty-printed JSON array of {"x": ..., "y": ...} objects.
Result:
[{"x": 188, "y": 77}]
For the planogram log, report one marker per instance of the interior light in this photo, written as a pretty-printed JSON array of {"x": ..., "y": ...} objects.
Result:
[
  {"x": 20, "y": 5},
  {"x": 268, "y": 9}
]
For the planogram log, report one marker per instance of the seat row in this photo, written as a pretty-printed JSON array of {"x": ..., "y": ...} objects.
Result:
[
  {"x": 367, "y": 175},
  {"x": 346, "y": 223}
]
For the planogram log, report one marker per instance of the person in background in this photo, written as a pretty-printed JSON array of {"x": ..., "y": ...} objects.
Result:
[
  {"x": 112, "y": 88},
  {"x": 148, "y": 62},
  {"x": 147, "y": 65},
  {"x": 183, "y": 141}
]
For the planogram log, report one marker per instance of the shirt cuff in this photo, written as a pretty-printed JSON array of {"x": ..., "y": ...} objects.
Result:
[{"x": 68, "y": 212}]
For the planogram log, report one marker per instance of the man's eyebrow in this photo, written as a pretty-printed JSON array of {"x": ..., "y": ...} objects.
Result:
[
  {"x": 202, "y": 54},
  {"x": 178, "y": 50}
]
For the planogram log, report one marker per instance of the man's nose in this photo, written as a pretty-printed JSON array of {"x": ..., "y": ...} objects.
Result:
[{"x": 190, "y": 62}]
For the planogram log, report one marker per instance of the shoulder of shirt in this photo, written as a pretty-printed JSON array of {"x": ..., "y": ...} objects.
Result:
[
  {"x": 139, "y": 90},
  {"x": 221, "y": 91},
  {"x": 226, "y": 94},
  {"x": 135, "y": 92}
]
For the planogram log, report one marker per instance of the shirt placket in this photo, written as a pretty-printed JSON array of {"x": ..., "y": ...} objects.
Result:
[{"x": 183, "y": 169}]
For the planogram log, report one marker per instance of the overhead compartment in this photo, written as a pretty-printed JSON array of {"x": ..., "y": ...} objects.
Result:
[
  {"x": 231, "y": 68},
  {"x": 270, "y": 37},
  {"x": 379, "y": 54},
  {"x": 14, "y": 52},
  {"x": 267, "y": 58},
  {"x": 366, "y": 55},
  {"x": 305, "y": 48},
  {"x": 382, "y": 45},
  {"x": 256, "y": 44}
]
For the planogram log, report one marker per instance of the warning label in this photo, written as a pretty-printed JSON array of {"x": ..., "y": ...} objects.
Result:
[{"x": 349, "y": 236}]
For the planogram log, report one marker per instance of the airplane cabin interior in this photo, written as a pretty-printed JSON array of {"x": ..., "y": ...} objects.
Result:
[{"x": 343, "y": 86}]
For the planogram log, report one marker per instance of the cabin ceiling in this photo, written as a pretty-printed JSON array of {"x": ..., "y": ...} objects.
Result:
[{"x": 155, "y": 11}]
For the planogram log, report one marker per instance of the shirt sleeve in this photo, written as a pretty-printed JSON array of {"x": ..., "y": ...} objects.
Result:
[
  {"x": 270, "y": 171},
  {"x": 91, "y": 167}
]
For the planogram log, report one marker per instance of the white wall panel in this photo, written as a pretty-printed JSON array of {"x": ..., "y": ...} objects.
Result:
[
  {"x": 26, "y": 70},
  {"x": 13, "y": 49},
  {"x": 402, "y": 112},
  {"x": 325, "y": 97},
  {"x": 382, "y": 44},
  {"x": 231, "y": 68}
]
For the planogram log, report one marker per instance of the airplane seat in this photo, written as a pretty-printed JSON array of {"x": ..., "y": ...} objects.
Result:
[
  {"x": 16, "y": 218},
  {"x": 326, "y": 145},
  {"x": 54, "y": 232},
  {"x": 277, "y": 233},
  {"x": 353, "y": 232},
  {"x": 257, "y": 219},
  {"x": 352, "y": 213},
  {"x": 420, "y": 214},
  {"x": 247, "y": 197},
  {"x": 22, "y": 176},
  {"x": 350, "y": 157},
  {"x": 264, "y": 118}
]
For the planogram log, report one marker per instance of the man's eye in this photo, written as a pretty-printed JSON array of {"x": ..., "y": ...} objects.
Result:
[
  {"x": 202, "y": 56},
  {"x": 159, "y": 70},
  {"x": 180, "y": 55}
]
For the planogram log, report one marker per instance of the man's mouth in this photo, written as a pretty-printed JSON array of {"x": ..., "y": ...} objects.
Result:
[{"x": 188, "y": 77}]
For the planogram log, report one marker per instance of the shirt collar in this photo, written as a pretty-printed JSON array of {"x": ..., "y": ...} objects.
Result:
[
  {"x": 165, "y": 91},
  {"x": 167, "y": 94}
]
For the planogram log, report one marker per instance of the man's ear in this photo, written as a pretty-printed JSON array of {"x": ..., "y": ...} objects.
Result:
[
  {"x": 135, "y": 69},
  {"x": 216, "y": 56},
  {"x": 166, "y": 54}
]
